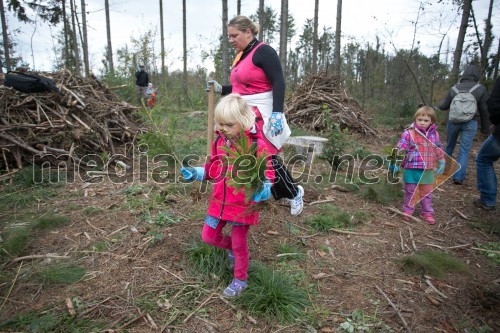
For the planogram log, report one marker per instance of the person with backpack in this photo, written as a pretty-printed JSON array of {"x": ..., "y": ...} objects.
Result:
[
  {"x": 487, "y": 182},
  {"x": 141, "y": 83},
  {"x": 466, "y": 101}
]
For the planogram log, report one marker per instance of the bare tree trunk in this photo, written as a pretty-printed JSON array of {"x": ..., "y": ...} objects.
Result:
[
  {"x": 66, "y": 34},
  {"x": 261, "y": 19},
  {"x": 487, "y": 38},
  {"x": 225, "y": 44},
  {"x": 108, "y": 33},
  {"x": 338, "y": 32},
  {"x": 238, "y": 7},
  {"x": 283, "y": 34},
  {"x": 75, "y": 40},
  {"x": 457, "y": 55},
  {"x": 5, "y": 37},
  {"x": 496, "y": 61},
  {"x": 162, "y": 37},
  {"x": 315, "y": 38},
  {"x": 184, "y": 47},
  {"x": 85, "y": 45}
]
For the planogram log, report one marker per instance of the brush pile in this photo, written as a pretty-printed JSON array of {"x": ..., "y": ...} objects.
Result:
[
  {"x": 321, "y": 100},
  {"x": 85, "y": 118}
]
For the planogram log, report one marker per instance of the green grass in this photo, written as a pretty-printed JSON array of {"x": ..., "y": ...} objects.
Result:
[
  {"x": 273, "y": 294},
  {"x": 91, "y": 210},
  {"x": 383, "y": 192},
  {"x": 209, "y": 261},
  {"x": 494, "y": 246},
  {"x": 290, "y": 251},
  {"x": 433, "y": 263},
  {"x": 331, "y": 216},
  {"x": 61, "y": 274},
  {"x": 15, "y": 241},
  {"x": 50, "y": 321},
  {"x": 51, "y": 221}
]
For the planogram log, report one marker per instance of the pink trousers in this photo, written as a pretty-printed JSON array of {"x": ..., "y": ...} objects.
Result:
[
  {"x": 237, "y": 242},
  {"x": 411, "y": 199}
]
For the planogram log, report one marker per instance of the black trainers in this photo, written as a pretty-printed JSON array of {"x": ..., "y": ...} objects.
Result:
[
  {"x": 458, "y": 182},
  {"x": 478, "y": 203}
]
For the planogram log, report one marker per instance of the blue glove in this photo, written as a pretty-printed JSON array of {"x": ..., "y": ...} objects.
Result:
[
  {"x": 217, "y": 86},
  {"x": 439, "y": 170},
  {"x": 193, "y": 173},
  {"x": 263, "y": 194},
  {"x": 275, "y": 123},
  {"x": 393, "y": 168}
]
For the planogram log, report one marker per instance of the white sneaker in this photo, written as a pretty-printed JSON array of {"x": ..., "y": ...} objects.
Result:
[{"x": 296, "y": 204}]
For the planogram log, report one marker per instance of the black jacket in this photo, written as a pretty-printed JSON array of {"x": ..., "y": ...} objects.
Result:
[
  {"x": 141, "y": 78},
  {"x": 468, "y": 80},
  {"x": 494, "y": 108}
]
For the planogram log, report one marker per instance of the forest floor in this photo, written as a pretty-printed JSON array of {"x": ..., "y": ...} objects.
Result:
[{"x": 136, "y": 282}]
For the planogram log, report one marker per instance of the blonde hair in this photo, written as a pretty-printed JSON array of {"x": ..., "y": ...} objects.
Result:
[
  {"x": 426, "y": 111},
  {"x": 233, "y": 109},
  {"x": 242, "y": 23}
]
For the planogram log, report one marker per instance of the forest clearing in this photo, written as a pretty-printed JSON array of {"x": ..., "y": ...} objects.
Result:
[{"x": 110, "y": 252}]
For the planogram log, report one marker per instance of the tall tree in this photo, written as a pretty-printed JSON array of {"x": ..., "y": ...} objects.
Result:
[
  {"x": 283, "y": 34},
  {"x": 338, "y": 32},
  {"x": 74, "y": 47},
  {"x": 315, "y": 38},
  {"x": 184, "y": 47},
  {"x": 162, "y": 38},
  {"x": 225, "y": 44},
  {"x": 85, "y": 43},
  {"x": 5, "y": 36},
  {"x": 457, "y": 55},
  {"x": 109, "y": 51},
  {"x": 66, "y": 34},
  {"x": 261, "y": 19}
]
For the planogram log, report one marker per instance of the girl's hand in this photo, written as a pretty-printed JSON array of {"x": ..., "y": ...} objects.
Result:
[
  {"x": 263, "y": 194},
  {"x": 193, "y": 173},
  {"x": 440, "y": 169}
]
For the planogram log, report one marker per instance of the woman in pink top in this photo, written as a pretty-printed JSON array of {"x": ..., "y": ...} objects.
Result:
[{"x": 258, "y": 77}]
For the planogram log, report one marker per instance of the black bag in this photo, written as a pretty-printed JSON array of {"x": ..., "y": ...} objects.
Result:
[{"x": 30, "y": 83}]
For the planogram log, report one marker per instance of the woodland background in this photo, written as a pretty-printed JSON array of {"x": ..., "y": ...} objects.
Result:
[{"x": 388, "y": 82}]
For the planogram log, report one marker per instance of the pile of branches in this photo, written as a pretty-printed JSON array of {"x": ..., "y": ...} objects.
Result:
[
  {"x": 85, "y": 118},
  {"x": 320, "y": 101}
]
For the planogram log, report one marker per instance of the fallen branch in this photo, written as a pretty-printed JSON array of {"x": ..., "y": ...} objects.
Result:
[
  {"x": 321, "y": 201},
  {"x": 199, "y": 307},
  {"x": 355, "y": 233},
  {"x": 416, "y": 219},
  {"x": 429, "y": 283},
  {"x": 459, "y": 213},
  {"x": 11, "y": 287},
  {"x": 40, "y": 256},
  {"x": 166, "y": 270},
  {"x": 250, "y": 318},
  {"x": 485, "y": 250},
  {"x": 412, "y": 240},
  {"x": 395, "y": 308}
]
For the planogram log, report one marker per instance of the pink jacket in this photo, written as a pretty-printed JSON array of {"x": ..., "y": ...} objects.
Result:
[
  {"x": 225, "y": 204},
  {"x": 422, "y": 149}
]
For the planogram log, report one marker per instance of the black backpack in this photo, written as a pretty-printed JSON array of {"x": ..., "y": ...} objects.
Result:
[{"x": 30, "y": 83}]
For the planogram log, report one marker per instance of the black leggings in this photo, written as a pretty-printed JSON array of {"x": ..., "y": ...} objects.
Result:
[{"x": 284, "y": 186}]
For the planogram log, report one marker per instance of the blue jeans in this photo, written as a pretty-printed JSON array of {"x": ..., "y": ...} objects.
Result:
[
  {"x": 486, "y": 178},
  {"x": 468, "y": 132}
]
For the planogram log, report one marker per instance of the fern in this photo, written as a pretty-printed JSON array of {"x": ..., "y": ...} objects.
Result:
[{"x": 248, "y": 167}]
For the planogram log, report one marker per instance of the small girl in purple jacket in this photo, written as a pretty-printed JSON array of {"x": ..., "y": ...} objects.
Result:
[{"x": 424, "y": 157}]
